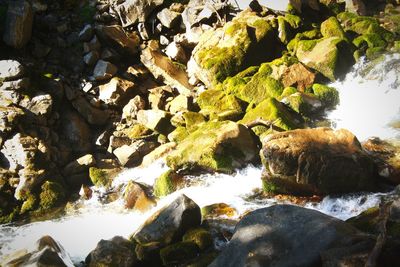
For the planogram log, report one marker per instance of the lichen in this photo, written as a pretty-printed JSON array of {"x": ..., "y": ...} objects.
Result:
[
  {"x": 52, "y": 194},
  {"x": 200, "y": 236}
]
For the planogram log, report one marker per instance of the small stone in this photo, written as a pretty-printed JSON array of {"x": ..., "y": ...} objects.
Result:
[
  {"x": 109, "y": 55},
  {"x": 10, "y": 70},
  {"x": 135, "y": 197},
  {"x": 104, "y": 70},
  {"x": 132, "y": 155},
  {"x": 164, "y": 40},
  {"x": 132, "y": 108},
  {"x": 116, "y": 91},
  {"x": 156, "y": 120},
  {"x": 168, "y": 18},
  {"x": 92, "y": 115},
  {"x": 86, "y": 34},
  {"x": 175, "y": 52}
]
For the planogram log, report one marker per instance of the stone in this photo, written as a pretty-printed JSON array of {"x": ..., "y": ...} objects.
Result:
[
  {"x": 40, "y": 105},
  {"x": 285, "y": 235},
  {"x": 316, "y": 161},
  {"x": 93, "y": 45},
  {"x": 178, "y": 253},
  {"x": 136, "y": 198},
  {"x": 132, "y": 155},
  {"x": 356, "y": 6},
  {"x": 116, "y": 91},
  {"x": 164, "y": 40},
  {"x": 19, "y": 22},
  {"x": 299, "y": 76},
  {"x": 46, "y": 252},
  {"x": 10, "y": 70},
  {"x": 79, "y": 165},
  {"x": 167, "y": 183},
  {"x": 117, "y": 251},
  {"x": 144, "y": 31},
  {"x": 168, "y": 18},
  {"x": 15, "y": 85},
  {"x": 164, "y": 69},
  {"x": 9, "y": 118},
  {"x": 91, "y": 58},
  {"x": 131, "y": 109},
  {"x": 158, "y": 153},
  {"x": 158, "y": 96},
  {"x": 156, "y": 120},
  {"x": 125, "y": 42},
  {"x": 133, "y": 11},
  {"x": 87, "y": 33},
  {"x": 214, "y": 146},
  {"x": 169, "y": 223},
  {"x": 92, "y": 115},
  {"x": 180, "y": 103},
  {"x": 176, "y": 52},
  {"x": 104, "y": 70}
]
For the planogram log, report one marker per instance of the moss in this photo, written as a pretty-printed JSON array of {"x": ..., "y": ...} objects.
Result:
[
  {"x": 9, "y": 217},
  {"x": 29, "y": 204},
  {"x": 329, "y": 96},
  {"x": 99, "y": 177},
  {"x": 374, "y": 52},
  {"x": 270, "y": 187},
  {"x": 369, "y": 40},
  {"x": 178, "y": 135},
  {"x": 331, "y": 28},
  {"x": 294, "y": 21},
  {"x": 167, "y": 183},
  {"x": 52, "y": 194},
  {"x": 137, "y": 131},
  {"x": 285, "y": 33},
  {"x": 297, "y": 103},
  {"x": 178, "y": 253},
  {"x": 220, "y": 104},
  {"x": 218, "y": 209},
  {"x": 343, "y": 17},
  {"x": 288, "y": 91},
  {"x": 192, "y": 120},
  {"x": 201, "y": 237}
]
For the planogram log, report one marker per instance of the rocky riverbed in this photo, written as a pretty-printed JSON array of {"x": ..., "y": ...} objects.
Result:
[{"x": 197, "y": 133}]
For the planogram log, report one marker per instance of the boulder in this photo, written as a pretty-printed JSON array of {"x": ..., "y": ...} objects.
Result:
[
  {"x": 136, "y": 197},
  {"x": 10, "y": 70},
  {"x": 215, "y": 146},
  {"x": 132, "y": 11},
  {"x": 19, "y": 22},
  {"x": 126, "y": 43},
  {"x": 158, "y": 153},
  {"x": 91, "y": 58},
  {"x": 41, "y": 104},
  {"x": 284, "y": 235},
  {"x": 92, "y": 115},
  {"x": 166, "y": 70},
  {"x": 156, "y": 120},
  {"x": 170, "y": 223},
  {"x": 116, "y": 91},
  {"x": 104, "y": 70},
  {"x": 115, "y": 252},
  {"x": 178, "y": 253},
  {"x": 168, "y": 18},
  {"x": 316, "y": 161},
  {"x": 132, "y": 155}
]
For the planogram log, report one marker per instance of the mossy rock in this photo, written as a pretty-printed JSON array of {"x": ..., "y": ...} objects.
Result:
[
  {"x": 216, "y": 103},
  {"x": 178, "y": 253},
  {"x": 167, "y": 183},
  {"x": 102, "y": 177},
  {"x": 137, "y": 131},
  {"x": 178, "y": 135},
  {"x": 29, "y": 204},
  {"x": 218, "y": 209},
  {"x": 52, "y": 194},
  {"x": 375, "y": 52},
  {"x": 332, "y": 28},
  {"x": 298, "y": 103},
  {"x": 200, "y": 236},
  {"x": 307, "y": 35},
  {"x": 214, "y": 146},
  {"x": 329, "y": 96},
  {"x": 369, "y": 40},
  {"x": 285, "y": 32},
  {"x": 7, "y": 217},
  {"x": 193, "y": 120},
  {"x": 368, "y": 25}
]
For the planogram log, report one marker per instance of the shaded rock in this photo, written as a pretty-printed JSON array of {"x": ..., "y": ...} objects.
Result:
[
  {"x": 79, "y": 165},
  {"x": 178, "y": 253},
  {"x": 164, "y": 69},
  {"x": 156, "y": 120},
  {"x": 39, "y": 105},
  {"x": 284, "y": 235},
  {"x": 93, "y": 45},
  {"x": 316, "y": 161},
  {"x": 176, "y": 52},
  {"x": 18, "y": 29},
  {"x": 116, "y": 91},
  {"x": 170, "y": 223},
  {"x": 15, "y": 85},
  {"x": 132, "y": 108},
  {"x": 200, "y": 236},
  {"x": 87, "y": 33},
  {"x": 92, "y": 115},
  {"x": 168, "y": 18},
  {"x": 104, "y": 70},
  {"x": 136, "y": 198},
  {"x": 115, "y": 252},
  {"x": 47, "y": 252},
  {"x": 91, "y": 58},
  {"x": 131, "y": 155},
  {"x": 217, "y": 146},
  {"x": 125, "y": 42},
  {"x": 10, "y": 70},
  {"x": 132, "y": 11}
]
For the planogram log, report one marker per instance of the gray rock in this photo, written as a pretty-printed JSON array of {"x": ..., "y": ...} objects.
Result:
[
  {"x": 168, "y": 18},
  {"x": 132, "y": 155},
  {"x": 10, "y": 70},
  {"x": 132, "y": 108},
  {"x": 20, "y": 151},
  {"x": 156, "y": 120},
  {"x": 170, "y": 223},
  {"x": 91, "y": 58},
  {"x": 86, "y": 34},
  {"x": 124, "y": 42},
  {"x": 9, "y": 97},
  {"x": 75, "y": 132},
  {"x": 115, "y": 252},
  {"x": 18, "y": 28},
  {"x": 104, "y": 70},
  {"x": 92, "y": 115},
  {"x": 285, "y": 235},
  {"x": 356, "y": 6},
  {"x": 132, "y": 11},
  {"x": 176, "y": 52}
]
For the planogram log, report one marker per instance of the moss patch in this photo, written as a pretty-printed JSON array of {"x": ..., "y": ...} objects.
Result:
[
  {"x": 167, "y": 183},
  {"x": 52, "y": 194},
  {"x": 329, "y": 96},
  {"x": 137, "y": 131},
  {"x": 331, "y": 28},
  {"x": 178, "y": 253},
  {"x": 99, "y": 177},
  {"x": 200, "y": 236}
]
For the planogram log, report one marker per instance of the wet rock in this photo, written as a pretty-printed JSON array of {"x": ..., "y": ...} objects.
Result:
[
  {"x": 168, "y": 18},
  {"x": 217, "y": 146},
  {"x": 91, "y": 58},
  {"x": 131, "y": 155},
  {"x": 316, "y": 161},
  {"x": 170, "y": 223},
  {"x": 87, "y": 33},
  {"x": 132, "y": 11},
  {"x": 125, "y": 42},
  {"x": 156, "y": 120},
  {"x": 104, "y": 70},
  {"x": 178, "y": 253},
  {"x": 217, "y": 210},
  {"x": 132, "y": 108},
  {"x": 176, "y": 52},
  {"x": 167, "y": 183},
  {"x": 294, "y": 236},
  {"x": 10, "y": 70},
  {"x": 164, "y": 69},
  {"x": 136, "y": 197},
  {"x": 92, "y": 115},
  {"x": 115, "y": 252},
  {"x": 18, "y": 27},
  {"x": 116, "y": 91},
  {"x": 47, "y": 252},
  {"x": 103, "y": 177}
]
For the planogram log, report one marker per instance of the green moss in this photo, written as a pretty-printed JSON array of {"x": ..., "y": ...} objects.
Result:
[
  {"x": 178, "y": 135},
  {"x": 374, "y": 52},
  {"x": 52, "y": 194},
  {"x": 331, "y": 28},
  {"x": 343, "y": 17},
  {"x": 29, "y": 204},
  {"x": 297, "y": 103},
  {"x": 201, "y": 237},
  {"x": 369, "y": 40},
  {"x": 178, "y": 253},
  {"x": 9, "y": 217},
  {"x": 285, "y": 34},
  {"x": 167, "y": 183},
  {"x": 99, "y": 177},
  {"x": 137, "y": 131},
  {"x": 270, "y": 187},
  {"x": 294, "y": 21},
  {"x": 288, "y": 91},
  {"x": 192, "y": 120},
  {"x": 217, "y": 103},
  {"x": 329, "y": 96}
]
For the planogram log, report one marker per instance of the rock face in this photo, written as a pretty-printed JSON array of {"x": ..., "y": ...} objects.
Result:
[
  {"x": 316, "y": 161},
  {"x": 170, "y": 223},
  {"x": 19, "y": 23},
  {"x": 218, "y": 146},
  {"x": 285, "y": 235}
]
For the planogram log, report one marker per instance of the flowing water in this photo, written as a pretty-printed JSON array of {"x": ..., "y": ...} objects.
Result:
[{"x": 369, "y": 106}]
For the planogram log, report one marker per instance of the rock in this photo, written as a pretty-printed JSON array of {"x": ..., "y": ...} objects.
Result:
[
  {"x": 79, "y": 165},
  {"x": 356, "y": 6},
  {"x": 332, "y": 28},
  {"x": 104, "y": 70},
  {"x": 200, "y": 236},
  {"x": 103, "y": 177},
  {"x": 15, "y": 85},
  {"x": 132, "y": 155},
  {"x": 178, "y": 253},
  {"x": 115, "y": 252},
  {"x": 170, "y": 223},
  {"x": 218, "y": 210},
  {"x": 299, "y": 76},
  {"x": 132, "y": 108},
  {"x": 116, "y": 91},
  {"x": 39, "y": 105},
  {"x": 91, "y": 58},
  {"x": 10, "y": 70},
  {"x": 158, "y": 153},
  {"x": 125, "y": 42},
  {"x": 47, "y": 252},
  {"x": 92, "y": 115},
  {"x": 136, "y": 198},
  {"x": 164, "y": 69},
  {"x": 144, "y": 31},
  {"x": 284, "y": 235},
  {"x": 156, "y": 120},
  {"x": 93, "y": 45},
  {"x": 9, "y": 118},
  {"x": 132, "y": 11},
  {"x": 167, "y": 183},
  {"x": 168, "y": 18},
  {"x": 18, "y": 29},
  {"x": 52, "y": 195},
  {"x": 87, "y": 33},
  {"x": 180, "y": 103},
  {"x": 316, "y": 161},
  {"x": 75, "y": 132},
  {"x": 176, "y": 52},
  {"x": 158, "y": 96},
  {"x": 214, "y": 146}
]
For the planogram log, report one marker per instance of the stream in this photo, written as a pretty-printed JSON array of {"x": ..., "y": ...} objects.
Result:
[{"x": 368, "y": 107}]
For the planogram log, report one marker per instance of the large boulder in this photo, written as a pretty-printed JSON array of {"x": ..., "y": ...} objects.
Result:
[
  {"x": 316, "y": 161},
  {"x": 284, "y": 235},
  {"x": 170, "y": 223},
  {"x": 215, "y": 145}
]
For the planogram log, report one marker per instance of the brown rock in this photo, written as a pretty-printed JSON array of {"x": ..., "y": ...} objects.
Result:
[
  {"x": 18, "y": 29},
  {"x": 299, "y": 76},
  {"x": 127, "y": 43},
  {"x": 135, "y": 197},
  {"x": 116, "y": 91}
]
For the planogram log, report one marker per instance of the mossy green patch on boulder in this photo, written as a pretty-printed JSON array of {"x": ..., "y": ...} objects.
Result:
[
  {"x": 332, "y": 28},
  {"x": 178, "y": 253},
  {"x": 369, "y": 40},
  {"x": 329, "y": 96},
  {"x": 178, "y": 135},
  {"x": 200, "y": 236},
  {"x": 167, "y": 183},
  {"x": 137, "y": 131},
  {"x": 29, "y": 204},
  {"x": 52, "y": 194},
  {"x": 193, "y": 120},
  {"x": 102, "y": 177},
  {"x": 217, "y": 103},
  {"x": 214, "y": 146}
]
